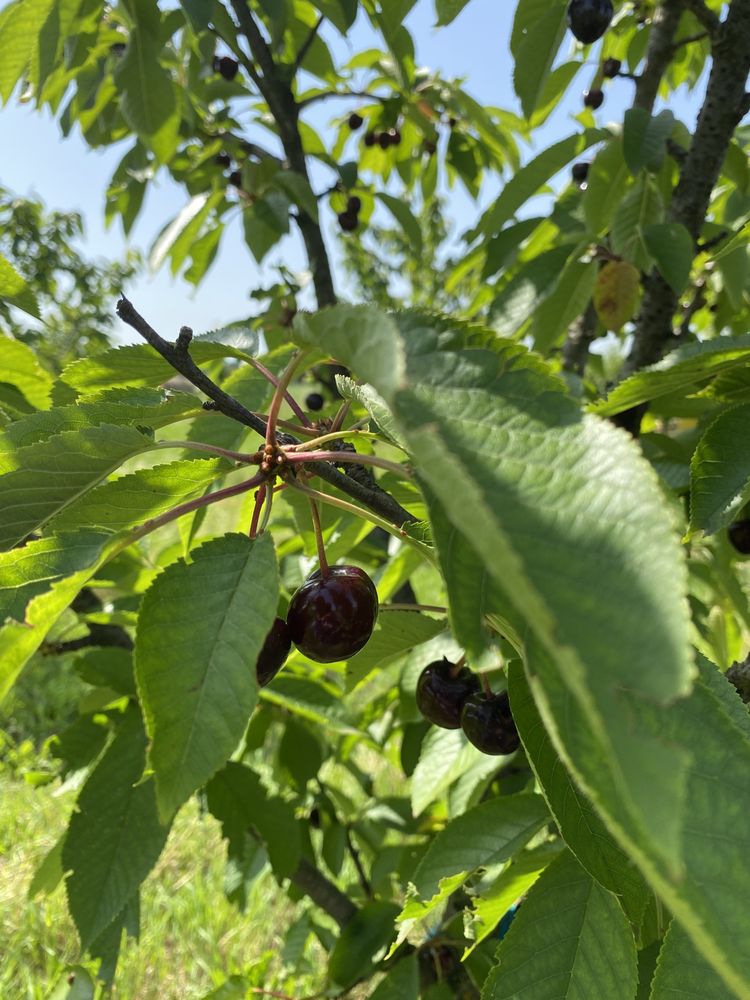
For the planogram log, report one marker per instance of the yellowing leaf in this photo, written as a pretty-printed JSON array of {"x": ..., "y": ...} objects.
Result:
[{"x": 617, "y": 293}]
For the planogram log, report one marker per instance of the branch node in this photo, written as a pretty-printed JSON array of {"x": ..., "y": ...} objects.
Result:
[{"x": 183, "y": 339}]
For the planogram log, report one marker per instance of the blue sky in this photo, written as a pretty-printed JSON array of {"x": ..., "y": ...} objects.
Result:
[{"x": 68, "y": 175}]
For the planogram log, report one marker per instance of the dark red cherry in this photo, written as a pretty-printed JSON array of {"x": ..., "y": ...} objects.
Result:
[
  {"x": 331, "y": 617},
  {"x": 370, "y": 138},
  {"x": 235, "y": 178},
  {"x": 441, "y": 695},
  {"x": 348, "y": 221},
  {"x": 226, "y": 67},
  {"x": 739, "y": 536},
  {"x": 355, "y": 121},
  {"x": 580, "y": 172},
  {"x": 274, "y": 652},
  {"x": 589, "y": 19},
  {"x": 488, "y": 723},
  {"x": 593, "y": 98},
  {"x": 611, "y": 68},
  {"x": 394, "y": 137},
  {"x": 314, "y": 401},
  {"x": 223, "y": 160},
  {"x": 384, "y": 140},
  {"x": 354, "y": 205}
]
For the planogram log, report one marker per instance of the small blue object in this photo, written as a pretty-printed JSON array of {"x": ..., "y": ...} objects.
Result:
[{"x": 506, "y": 921}]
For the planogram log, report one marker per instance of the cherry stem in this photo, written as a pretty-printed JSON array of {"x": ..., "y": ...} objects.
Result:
[
  {"x": 279, "y": 396},
  {"x": 187, "y": 508},
  {"x": 354, "y": 431},
  {"x": 366, "y": 515},
  {"x": 293, "y": 404},
  {"x": 324, "y": 568},
  {"x": 414, "y": 607},
  {"x": 234, "y": 456},
  {"x": 266, "y": 511},
  {"x": 260, "y": 497},
  {"x": 340, "y": 417},
  {"x": 486, "y": 685},
  {"x": 298, "y": 457},
  {"x": 458, "y": 667}
]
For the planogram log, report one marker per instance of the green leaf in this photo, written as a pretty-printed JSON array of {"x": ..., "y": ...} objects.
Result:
[
  {"x": 311, "y": 700},
  {"x": 20, "y": 26},
  {"x": 444, "y": 757},
  {"x": 580, "y": 826},
  {"x": 401, "y": 982},
  {"x": 298, "y": 190},
  {"x": 395, "y": 633},
  {"x": 362, "y": 335},
  {"x": 527, "y": 181},
  {"x": 20, "y": 368},
  {"x": 538, "y": 30},
  {"x": 147, "y": 95},
  {"x": 15, "y": 290},
  {"x": 136, "y": 365},
  {"x": 569, "y": 939},
  {"x": 678, "y": 371},
  {"x": 645, "y": 138},
  {"x": 681, "y": 971},
  {"x": 566, "y": 302},
  {"x": 608, "y": 181},
  {"x": 405, "y": 218},
  {"x": 201, "y": 627},
  {"x": 264, "y": 222},
  {"x": 239, "y": 801},
  {"x": 108, "y": 667},
  {"x": 448, "y": 10},
  {"x": 672, "y": 248},
  {"x": 41, "y": 480},
  {"x": 487, "y": 834},
  {"x": 135, "y": 498},
  {"x": 81, "y": 988},
  {"x": 640, "y": 207},
  {"x": 135, "y": 408},
  {"x": 115, "y": 836},
  {"x": 64, "y": 566},
  {"x": 720, "y": 472},
  {"x": 367, "y": 933}
]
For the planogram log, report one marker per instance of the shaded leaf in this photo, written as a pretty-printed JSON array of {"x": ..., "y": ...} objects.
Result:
[
  {"x": 617, "y": 293},
  {"x": 720, "y": 471}
]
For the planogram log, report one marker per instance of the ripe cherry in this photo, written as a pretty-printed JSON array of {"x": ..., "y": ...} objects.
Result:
[
  {"x": 332, "y": 616},
  {"x": 370, "y": 138},
  {"x": 226, "y": 67},
  {"x": 274, "y": 652},
  {"x": 384, "y": 140},
  {"x": 394, "y": 136},
  {"x": 223, "y": 160},
  {"x": 739, "y": 536},
  {"x": 429, "y": 147},
  {"x": 235, "y": 178},
  {"x": 441, "y": 694},
  {"x": 580, "y": 172},
  {"x": 589, "y": 19},
  {"x": 355, "y": 121},
  {"x": 314, "y": 401},
  {"x": 348, "y": 221},
  {"x": 593, "y": 98},
  {"x": 488, "y": 723},
  {"x": 611, "y": 68},
  {"x": 354, "y": 204}
]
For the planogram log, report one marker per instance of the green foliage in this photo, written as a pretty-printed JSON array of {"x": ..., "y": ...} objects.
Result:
[{"x": 505, "y": 520}]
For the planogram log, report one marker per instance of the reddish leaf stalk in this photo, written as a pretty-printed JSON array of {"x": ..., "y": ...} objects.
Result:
[{"x": 324, "y": 569}]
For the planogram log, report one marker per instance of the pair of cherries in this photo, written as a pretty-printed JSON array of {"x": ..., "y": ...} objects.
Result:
[
  {"x": 330, "y": 617},
  {"x": 451, "y": 697}
]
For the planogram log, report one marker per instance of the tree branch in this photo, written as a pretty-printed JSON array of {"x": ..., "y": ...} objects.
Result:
[
  {"x": 707, "y": 17},
  {"x": 582, "y": 334},
  {"x": 725, "y": 105},
  {"x": 659, "y": 53},
  {"x": 277, "y": 92},
  {"x": 324, "y": 893},
  {"x": 178, "y": 356},
  {"x": 307, "y": 43}
]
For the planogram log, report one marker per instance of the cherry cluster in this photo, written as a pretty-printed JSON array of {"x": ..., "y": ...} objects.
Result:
[
  {"x": 450, "y": 696},
  {"x": 349, "y": 218}
]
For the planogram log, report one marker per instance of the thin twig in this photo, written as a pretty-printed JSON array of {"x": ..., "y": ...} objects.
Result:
[
  {"x": 306, "y": 45},
  {"x": 298, "y": 457},
  {"x": 356, "y": 858}
]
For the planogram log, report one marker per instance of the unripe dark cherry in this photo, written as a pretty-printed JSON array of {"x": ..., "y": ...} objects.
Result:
[
  {"x": 441, "y": 696},
  {"x": 589, "y": 19},
  {"x": 488, "y": 723},
  {"x": 739, "y": 536},
  {"x": 331, "y": 617},
  {"x": 274, "y": 652}
]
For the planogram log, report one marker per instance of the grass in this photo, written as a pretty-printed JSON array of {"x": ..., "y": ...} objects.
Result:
[{"x": 192, "y": 936}]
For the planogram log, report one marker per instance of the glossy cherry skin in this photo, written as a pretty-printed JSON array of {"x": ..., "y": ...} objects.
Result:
[
  {"x": 331, "y": 617},
  {"x": 593, "y": 98},
  {"x": 739, "y": 536},
  {"x": 314, "y": 401},
  {"x": 489, "y": 725},
  {"x": 440, "y": 696},
  {"x": 589, "y": 19},
  {"x": 274, "y": 652}
]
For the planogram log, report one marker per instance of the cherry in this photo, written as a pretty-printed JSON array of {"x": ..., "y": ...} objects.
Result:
[
  {"x": 430, "y": 147},
  {"x": 593, "y": 98},
  {"x": 441, "y": 695},
  {"x": 274, "y": 652},
  {"x": 332, "y": 615},
  {"x": 226, "y": 67},
  {"x": 355, "y": 121},
  {"x": 348, "y": 221},
  {"x": 223, "y": 160},
  {"x": 314, "y": 401},
  {"x": 488, "y": 723},
  {"x": 370, "y": 138},
  {"x": 354, "y": 204},
  {"x": 589, "y": 19},
  {"x": 580, "y": 172},
  {"x": 394, "y": 136},
  {"x": 611, "y": 68},
  {"x": 384, "y": 140},
  {"x": 118, "y": 48},
  {"x": 739, "y": 536},
  {"x": 235, "y": 178}
]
